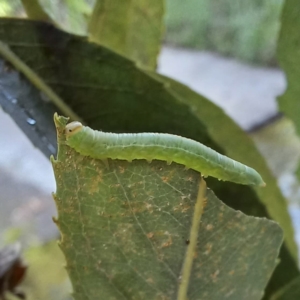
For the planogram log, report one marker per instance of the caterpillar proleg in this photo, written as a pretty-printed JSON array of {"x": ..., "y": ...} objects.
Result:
[{"x": 160, "y": 146}]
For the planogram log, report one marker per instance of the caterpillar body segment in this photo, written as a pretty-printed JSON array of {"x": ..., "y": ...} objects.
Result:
[{"x": 160, "y": 146}]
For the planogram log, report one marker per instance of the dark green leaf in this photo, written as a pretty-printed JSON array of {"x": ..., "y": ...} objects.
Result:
[
  {"x": 29, "y": 108},
  {"x": 290, "y": 292}
]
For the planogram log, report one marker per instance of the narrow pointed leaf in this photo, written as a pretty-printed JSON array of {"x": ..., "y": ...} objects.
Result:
[{"x": 289, "y": 58}]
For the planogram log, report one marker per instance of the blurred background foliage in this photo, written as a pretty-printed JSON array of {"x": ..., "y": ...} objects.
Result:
[{"x": 245, "y": 29}]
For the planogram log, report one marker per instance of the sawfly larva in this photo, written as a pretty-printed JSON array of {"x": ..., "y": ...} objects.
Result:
[{"x": 159, "y": 146}]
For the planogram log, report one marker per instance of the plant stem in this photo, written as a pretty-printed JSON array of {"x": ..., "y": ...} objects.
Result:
[
  {"x": 189, "y": 255},
  {"x": 37, "y": 81}
]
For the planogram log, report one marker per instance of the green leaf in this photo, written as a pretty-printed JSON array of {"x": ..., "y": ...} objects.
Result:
[
  {"x": 111, "y": 94},
  {"x": 26, "y": 107},
  {"x": 290, "y": 292},
  {"x": 35, "y": 11},
  {"x": 132, "y": 28},
  {"x": 126, "y": 231},
  {"x": 289, "y": 58},
  {"x": 71, "y": 15},
  {"x": 238, "y": 146},
  {"x": 82, "y": 7},
  {"x": 35, "y": 79}
]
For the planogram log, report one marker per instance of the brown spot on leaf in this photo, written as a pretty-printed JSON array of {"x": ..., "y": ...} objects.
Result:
[
  {"x": 121, "y": 169},
  {"x": 150, "y": 280},
  {"x": 208, "y": 248},
  {"x": 215, "y": 275},
  {"x": 209, "y": 227},
  {"x": 112, "y": 199},
  {"x": 183, "y": 207},
  {"x": 169, "y": 242},
  {"x": 150, "y": 235},
  {"x": 165, "y": 179},
  {"x": 190, "y": 179}
]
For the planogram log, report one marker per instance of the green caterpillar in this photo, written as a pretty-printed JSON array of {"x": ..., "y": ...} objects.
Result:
[{"x": 165, "y": 147}]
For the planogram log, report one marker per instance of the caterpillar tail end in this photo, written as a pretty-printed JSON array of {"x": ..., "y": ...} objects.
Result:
[{"x": 263, "y": 184}]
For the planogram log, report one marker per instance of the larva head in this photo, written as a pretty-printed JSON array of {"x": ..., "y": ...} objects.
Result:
[
  {"x": 82, "y": 139},
  {"x": 73, "y": 133},
  {"x": 72, "y": 128}
]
